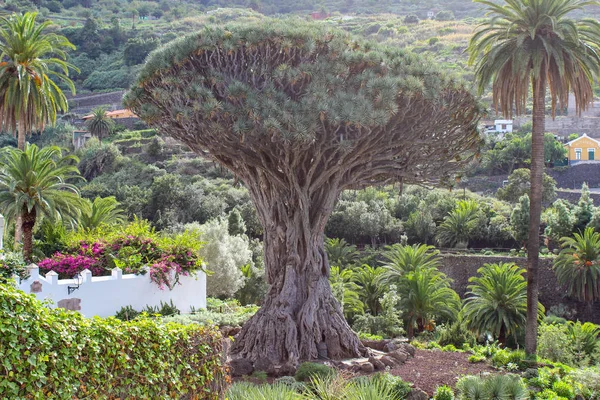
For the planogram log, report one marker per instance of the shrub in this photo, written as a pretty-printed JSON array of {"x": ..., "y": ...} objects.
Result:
[
  {"x": 399, "y": 388},
  {"x": 476, "y": 358},
  {"x": 455, "y": 334},
  {"x": 60, "y": 353},
  {"x": 552, "y": 343},
  {"x": 224, "y": 256},
  {"x": 308, "y": 370},
  {"x": 218, "y": 313},
  {"x": 443, "y": 393},
  {"x": 563, "y": 389},
  {"x": 131, "y": 247},
  {"x": 12, "y": 264}
]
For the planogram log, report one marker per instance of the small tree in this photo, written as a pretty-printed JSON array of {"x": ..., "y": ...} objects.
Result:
[
  {"x": 519, "y": 185},
  {"x": 224, "y": 256},
  {"x": 585, "y": 209},
  {"x": 519, "y": 220},
  {"x": 300, "y": 112},
  {"x": 559, "y": 220}
]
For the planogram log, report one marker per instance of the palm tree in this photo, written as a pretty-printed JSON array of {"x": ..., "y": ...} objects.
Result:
[
  {"x": 33, "y": 184},
  {"x": 370, "y": 288},
  {"x": 100, "y": 124},
  {"x": 533, "y": 42},
  {"x": 401, "y": 259},
  {"x": 102, "y": 211},
  {"x": 578, "y": 265},
  {"x": 497, "y": 301},
  {"x": 30, "y": 60},
  {"x": 340, "y": 253},
  {"x": 425, "y": 295},
  {"x": 458, "y": 226},
  {"x": 345, "y": 290}
]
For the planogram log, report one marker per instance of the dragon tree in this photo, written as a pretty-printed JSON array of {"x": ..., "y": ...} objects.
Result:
[{"x": 300, "y": 112}]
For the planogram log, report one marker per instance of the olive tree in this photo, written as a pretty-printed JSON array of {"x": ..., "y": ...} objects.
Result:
[{"x": 300, "y": 112}]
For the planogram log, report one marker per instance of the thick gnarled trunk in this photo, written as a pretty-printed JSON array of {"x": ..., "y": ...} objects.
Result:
[
  {"x": 300, "y": 319},
  {"x": 535, "y": 211}
]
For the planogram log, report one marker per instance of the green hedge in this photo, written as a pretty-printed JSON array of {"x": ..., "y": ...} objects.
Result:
[{"x": 57, "y": 354}]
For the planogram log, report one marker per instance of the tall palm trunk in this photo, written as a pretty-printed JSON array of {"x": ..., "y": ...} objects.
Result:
[
  {"x": 535, "y": 209},
  {"x": 27, "y": 225},
  {"x": 21, "y": 136}
]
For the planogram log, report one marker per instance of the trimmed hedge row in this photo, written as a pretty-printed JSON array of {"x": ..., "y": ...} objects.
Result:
[{"x": 57, "y": 354}]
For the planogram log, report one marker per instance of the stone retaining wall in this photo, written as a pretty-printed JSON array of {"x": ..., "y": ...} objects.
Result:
[{"x": 461, "y": 267}]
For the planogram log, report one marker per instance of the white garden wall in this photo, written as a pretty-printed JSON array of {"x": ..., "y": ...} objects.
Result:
[{"x": 105, "y": 295}]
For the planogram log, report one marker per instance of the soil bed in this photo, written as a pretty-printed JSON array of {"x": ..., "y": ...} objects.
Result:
[{"x": 429, "y": 369}]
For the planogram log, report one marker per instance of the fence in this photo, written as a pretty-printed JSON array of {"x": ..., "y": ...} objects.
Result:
[{"x": 105, "y": 295}]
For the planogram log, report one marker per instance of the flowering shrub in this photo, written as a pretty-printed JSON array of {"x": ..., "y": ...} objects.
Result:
[
  {"x": 67, "y": 266},
  {"x": 135, "y": 248}
]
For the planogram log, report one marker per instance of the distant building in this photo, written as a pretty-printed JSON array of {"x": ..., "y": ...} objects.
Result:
[
  {"x": 319, "y": 15},
  {"x": 116, "y": 114},
  {"x": 122, "y": 117},
  {"x": 80, "y": 138},
  {"x": 500, "y": 126},
  {"x": 582, "y": 149},
  {"x": 431, "y": 14}
]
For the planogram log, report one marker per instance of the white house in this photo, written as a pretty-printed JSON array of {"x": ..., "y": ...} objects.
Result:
[{"x": 500, "y": 126}]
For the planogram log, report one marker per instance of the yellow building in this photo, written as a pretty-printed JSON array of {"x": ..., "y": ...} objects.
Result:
[{"x": 584, "y": 148}]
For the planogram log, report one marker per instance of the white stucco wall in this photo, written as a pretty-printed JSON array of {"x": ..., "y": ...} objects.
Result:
[{"x": 105, "y": 295}]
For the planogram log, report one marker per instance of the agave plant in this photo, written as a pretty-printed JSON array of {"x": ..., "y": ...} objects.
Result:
[
  {"x": 249, "y": 391},
  {"x": 497, "y": 301},
  {"x": 504, "y": 387},
  {"x": 578, "y": 265}
]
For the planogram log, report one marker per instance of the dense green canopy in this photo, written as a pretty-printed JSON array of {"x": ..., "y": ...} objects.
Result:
[{"x": 249, "y": 93}]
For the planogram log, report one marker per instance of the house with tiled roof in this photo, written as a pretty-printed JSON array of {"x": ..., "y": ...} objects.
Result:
[{"x": 583, "y": 149}]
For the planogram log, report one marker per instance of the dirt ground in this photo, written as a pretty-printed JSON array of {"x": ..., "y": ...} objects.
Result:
[{"x": 429, "y": 369}]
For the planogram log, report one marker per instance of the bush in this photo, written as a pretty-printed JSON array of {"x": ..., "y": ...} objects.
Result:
[
  {"x": 443, "y": 393},
  {"x": 60, "y": 353},
  {"x": 11, "y": 265},
  {"x": 563, "y": 389},
  {"x": 219, "y": 313},
  {"x": 309, "y": 370},
  {"x": 399, "y": 388},
  {"x": 455, "y": 334}
]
